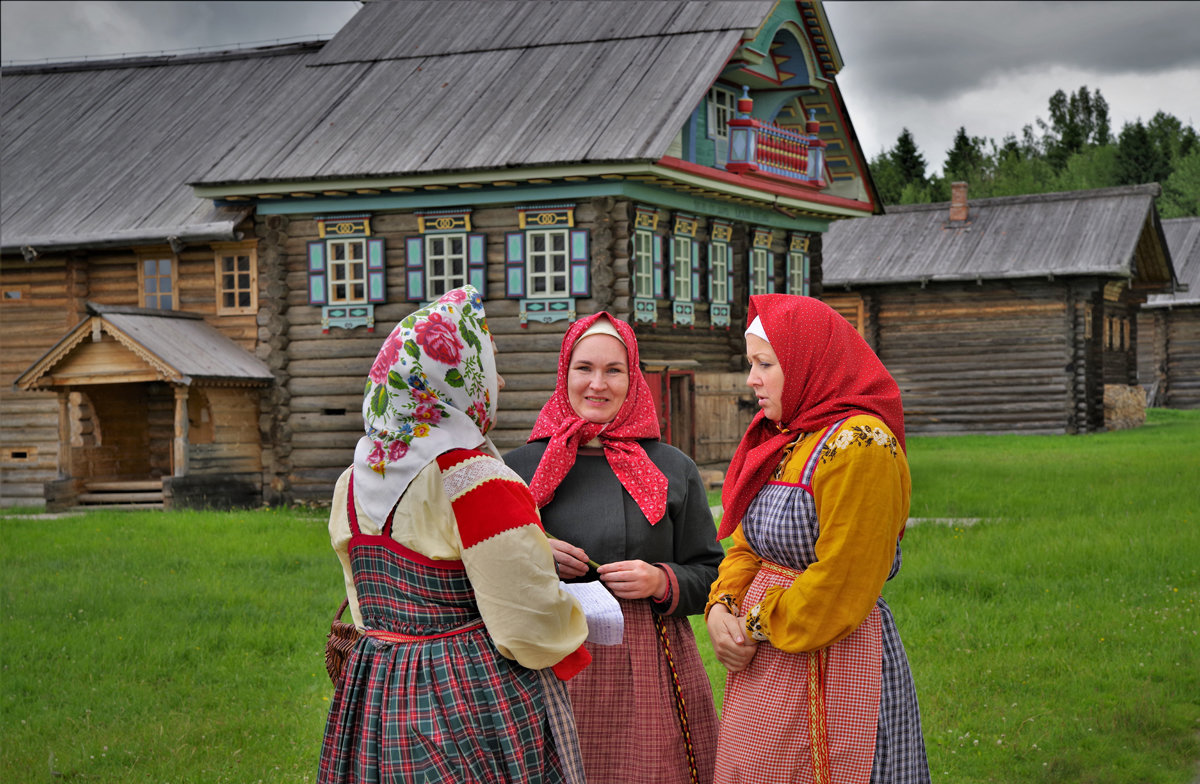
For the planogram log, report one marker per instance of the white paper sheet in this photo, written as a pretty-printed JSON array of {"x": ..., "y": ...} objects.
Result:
[{"x": 606, "y": 623}]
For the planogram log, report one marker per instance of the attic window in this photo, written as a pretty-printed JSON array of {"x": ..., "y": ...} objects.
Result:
[
  {"x": 722, "y": 104},
  {"x": 237, "y": 278},
  {"x": 156, "y": 281}
]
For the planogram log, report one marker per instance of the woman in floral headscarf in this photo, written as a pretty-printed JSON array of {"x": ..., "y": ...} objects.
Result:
[
  {"x": 816, "y": 498},
  {"x": 450, "y": 577},
  {"x": 614, "y": 494}
]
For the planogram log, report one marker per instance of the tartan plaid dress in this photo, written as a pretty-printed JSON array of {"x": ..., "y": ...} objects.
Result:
[
  {"x": 446, "y": 708},
  {"x": 765, "y": 722}
]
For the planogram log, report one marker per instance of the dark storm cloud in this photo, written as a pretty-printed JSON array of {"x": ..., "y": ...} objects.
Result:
[
  {"x": 45, "y": 30},
  {"x": 943, "y": 49}
]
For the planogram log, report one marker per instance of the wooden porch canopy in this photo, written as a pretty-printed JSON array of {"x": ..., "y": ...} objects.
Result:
[{"x": 124, "y": 345}]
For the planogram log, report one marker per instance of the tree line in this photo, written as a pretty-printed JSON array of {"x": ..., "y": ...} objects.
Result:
[{"x": 1074, "y": 150}]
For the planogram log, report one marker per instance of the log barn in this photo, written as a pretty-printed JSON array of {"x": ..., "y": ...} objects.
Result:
[
  {"x": 284, "y": 206},
  {"x": 1006, "y": 315},
  {"x": 1169, "y": 326}
]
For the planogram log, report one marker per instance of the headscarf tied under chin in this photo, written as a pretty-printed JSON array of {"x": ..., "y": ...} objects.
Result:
[
  {"x": 829, "y": 373},
  {"x": 567, "y": 430},
  {"x": 433, "y": 387}
]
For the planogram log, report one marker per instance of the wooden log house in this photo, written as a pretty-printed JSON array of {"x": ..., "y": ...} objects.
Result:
[
  {"x": 1006, "y": 315},
  {"x": 661, "y": 160},
  {"x": 1169, "y": 326}
]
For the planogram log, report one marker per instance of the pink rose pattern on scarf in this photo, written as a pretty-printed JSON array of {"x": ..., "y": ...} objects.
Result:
[{"x": 432, "y": 387}]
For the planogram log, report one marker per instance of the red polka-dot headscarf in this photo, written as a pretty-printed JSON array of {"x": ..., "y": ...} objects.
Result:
[
  {"x": 567, "y": 430},
  {"x": 829, "y": 373}
]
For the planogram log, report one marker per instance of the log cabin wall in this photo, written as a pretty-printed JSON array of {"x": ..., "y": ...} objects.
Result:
[
  {"x": 44, "y": 299},
  {"x": 1182, "y": 357},
  {"x": 312, "y": 419},
  {"x": 36, "y": 309},
  {"x": 996, "y": 358}
]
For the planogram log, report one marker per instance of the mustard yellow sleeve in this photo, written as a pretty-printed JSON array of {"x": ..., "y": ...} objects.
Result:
[
  {"x": 862, "y": 491},
  {"x": 734, "y": 575}
]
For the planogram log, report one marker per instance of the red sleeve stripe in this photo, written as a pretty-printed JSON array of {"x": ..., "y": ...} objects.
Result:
[{"x": 488, "y": 497}]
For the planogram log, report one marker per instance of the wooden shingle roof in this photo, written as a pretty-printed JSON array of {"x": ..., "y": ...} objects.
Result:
[
  {"x": 173, "y": 346},
  {"x": 1109, "y": 232},
  {"x": 106, "y": 151},
  {"x": 1183, "y": 238}
]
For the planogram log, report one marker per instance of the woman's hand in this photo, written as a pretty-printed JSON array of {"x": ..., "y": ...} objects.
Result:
[
  {"x": 634, "y": 579},
  {"x": 570, "y": 560},
  {"x": 729, "y": 641}
]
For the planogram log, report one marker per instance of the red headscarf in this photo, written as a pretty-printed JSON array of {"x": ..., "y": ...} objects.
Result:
[
  {"x": 829, "y": 373},
  {"x": 636, "y": 419}
]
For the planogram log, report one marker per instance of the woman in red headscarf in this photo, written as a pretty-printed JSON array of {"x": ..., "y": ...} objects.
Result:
[
  {"x": 816, "y": 498},
  {"x": 613, "y": 494}
]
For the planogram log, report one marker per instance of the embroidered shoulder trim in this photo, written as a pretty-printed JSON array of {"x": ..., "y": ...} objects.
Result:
[
  {"x": 859, "y": 436},
  {"x": 467, "y": 475}
]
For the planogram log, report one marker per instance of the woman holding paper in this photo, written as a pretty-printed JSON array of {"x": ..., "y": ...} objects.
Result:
[
  {"x": 450, "y": 577},
  {"x": 613, "y": 494},
  {"x": 816, "y": 498}
]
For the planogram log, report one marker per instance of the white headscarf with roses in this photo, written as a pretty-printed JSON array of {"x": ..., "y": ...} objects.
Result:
[{"x": 432, "y": 388}]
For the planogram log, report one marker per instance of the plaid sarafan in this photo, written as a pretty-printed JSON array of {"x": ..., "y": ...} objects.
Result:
[
  {"x": 448, "y": 708},
  {"x": 642, "y": 742}
]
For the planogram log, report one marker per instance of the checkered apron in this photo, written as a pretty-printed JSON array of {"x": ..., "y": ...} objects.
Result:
[
  {"x": 846, "y": 714},
  {"x": 426, "y": 696}
]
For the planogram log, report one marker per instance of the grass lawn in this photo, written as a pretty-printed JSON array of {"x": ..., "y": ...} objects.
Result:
[{"x": 1048, "y": 603}]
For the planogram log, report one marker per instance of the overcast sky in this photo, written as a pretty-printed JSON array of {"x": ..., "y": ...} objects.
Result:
[{"x": 931, "y": 67}]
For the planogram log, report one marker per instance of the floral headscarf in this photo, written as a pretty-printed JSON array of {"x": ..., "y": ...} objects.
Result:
[
  {"x": 829, "y": 373},
  {"x": 433, "y": 387},
  {"x": 636, "y": 419}
]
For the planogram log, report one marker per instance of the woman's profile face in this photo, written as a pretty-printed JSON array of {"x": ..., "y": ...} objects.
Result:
[
  {"x": 765, "y": 377},
  {"x": 598, "y": 378}
]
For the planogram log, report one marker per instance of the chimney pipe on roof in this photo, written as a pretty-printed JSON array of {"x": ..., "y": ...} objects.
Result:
[{"x": 958, "y": 201}]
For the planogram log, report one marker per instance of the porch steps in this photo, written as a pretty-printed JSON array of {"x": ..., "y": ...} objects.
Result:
[{"x": 116, "y": 494}]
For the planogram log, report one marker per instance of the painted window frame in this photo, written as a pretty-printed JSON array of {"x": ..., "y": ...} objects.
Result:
[
  {"x": 798, "y": 273},
  {"x": 683, "y": 249},
  {"x": 152, "y": 300},
  {"x": 719, "y": 257},
  {"x": 449, "y": 279},
  {"x": 759, "y": 280},
  {"x": 558, "y": 280},
  {"x": 236, "y": 252},
  {"x": 351, "y": 266},
  {"x": 644, "y": 242}
]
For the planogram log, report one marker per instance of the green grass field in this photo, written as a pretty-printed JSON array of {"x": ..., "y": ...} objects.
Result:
[{"x": 1048, "y": 604}]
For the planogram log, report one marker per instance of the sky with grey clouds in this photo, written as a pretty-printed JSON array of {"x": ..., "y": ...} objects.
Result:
[{"x": 931, "y": 67}]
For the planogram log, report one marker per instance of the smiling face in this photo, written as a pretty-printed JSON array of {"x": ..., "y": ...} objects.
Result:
[
  {"x": 598, "y": 378},
  {"x": 766, "y": 377}
]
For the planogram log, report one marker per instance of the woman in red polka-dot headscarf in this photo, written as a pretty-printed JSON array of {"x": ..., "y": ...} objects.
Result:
[
  {"x": 815, "y": 500},
  {"x": 631, "y": 512}
]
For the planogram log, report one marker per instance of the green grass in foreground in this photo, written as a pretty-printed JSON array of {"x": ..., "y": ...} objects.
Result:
[{"x": 1055, "y": 640}]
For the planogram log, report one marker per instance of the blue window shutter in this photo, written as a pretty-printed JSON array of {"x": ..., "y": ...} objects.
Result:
[
  {"x": 376, "y": 271},
  {"x": 658, "y": 266},
  {"x": 414, "y": 268},
  {"x": 696, "y": 272},
  {"x": 671, "y": 271},
  {"x": 581, "y": 264},
  {"x": 477, "y": 262},
  {"x": 770, "y": 272},
  {"x": 729, "y": 277},
  {"x": 318, "y": 276},
  {"x": 514, "y": 265}
]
